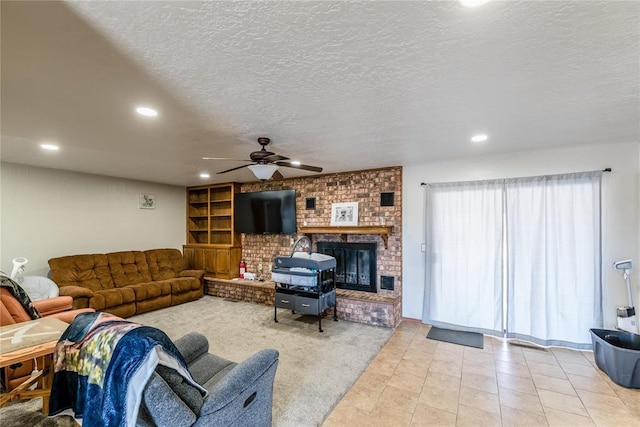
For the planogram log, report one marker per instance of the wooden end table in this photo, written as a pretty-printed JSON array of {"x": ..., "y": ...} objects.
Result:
[{"x": 35, "y": 339}]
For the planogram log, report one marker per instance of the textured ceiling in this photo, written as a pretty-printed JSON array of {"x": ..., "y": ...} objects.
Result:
[{"x": 342, "y": 85}]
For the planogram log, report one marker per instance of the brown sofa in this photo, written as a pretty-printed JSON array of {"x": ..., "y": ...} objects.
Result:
[{"x": 127, "y": 283}]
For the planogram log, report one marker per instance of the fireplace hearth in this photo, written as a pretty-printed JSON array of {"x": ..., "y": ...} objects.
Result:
[{"x": 355, "y": 264}]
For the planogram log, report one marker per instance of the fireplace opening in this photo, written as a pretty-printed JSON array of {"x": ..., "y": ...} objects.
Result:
[{"x": 355, "y": 264}]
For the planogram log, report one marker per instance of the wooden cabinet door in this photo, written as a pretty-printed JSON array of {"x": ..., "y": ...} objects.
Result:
[
  {"x": 210, "y": 261},
  {"x": 222, "y": 262},
  {"x": 193, "y": 257}
]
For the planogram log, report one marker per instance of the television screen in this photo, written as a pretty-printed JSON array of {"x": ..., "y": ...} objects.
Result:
[{"x": 265, "y": 212}]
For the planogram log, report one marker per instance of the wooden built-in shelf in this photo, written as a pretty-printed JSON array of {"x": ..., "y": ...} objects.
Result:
[{"x": 381, "y": 230}]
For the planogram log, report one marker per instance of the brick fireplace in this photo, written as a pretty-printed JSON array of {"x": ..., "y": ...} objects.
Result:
[{"x": 371, "y": 189}]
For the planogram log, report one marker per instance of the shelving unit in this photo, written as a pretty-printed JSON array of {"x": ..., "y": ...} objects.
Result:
[{"x": 212, "y": 243}]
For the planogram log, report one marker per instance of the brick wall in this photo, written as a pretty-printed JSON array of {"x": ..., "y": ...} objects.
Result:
[
  {"x": 363, "y": 187},
  {"x": 354, "y": 306}
]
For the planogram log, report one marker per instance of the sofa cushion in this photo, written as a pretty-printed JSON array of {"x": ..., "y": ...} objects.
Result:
[
  {"x": 115, "y": 297},
  {"x": 87, "y": 271},
  {"x": 17, "y": 312},
  {"x": 164, "y": 263},
  {"x": 181, "y": 387},
  {"x": 128, "y": 268},
  {"x": 144, "y": 291},
  {"x": 181, "y": 285},
  {"x": 160, "y": 406},
  {"x": 97, "y": 302}
]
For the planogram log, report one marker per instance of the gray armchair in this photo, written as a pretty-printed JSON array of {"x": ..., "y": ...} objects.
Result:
[{"x": 240, "y": 394}]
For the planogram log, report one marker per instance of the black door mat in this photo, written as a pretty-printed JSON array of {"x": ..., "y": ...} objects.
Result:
[{"x": 470, "y": 339}]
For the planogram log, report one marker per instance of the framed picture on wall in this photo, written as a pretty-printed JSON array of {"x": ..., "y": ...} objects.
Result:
[
  {"x": 344, "y": 213},
  {"x": 147, "y": 201}
]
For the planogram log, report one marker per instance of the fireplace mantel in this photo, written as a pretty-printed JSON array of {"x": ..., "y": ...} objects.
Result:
[{"x": 381, "y": 230}]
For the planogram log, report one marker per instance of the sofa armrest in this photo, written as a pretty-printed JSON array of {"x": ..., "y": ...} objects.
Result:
[
  {"x": 192, "y": 273},
  {"x": 248, "y": 374},
  {"x": 76, "y": 292},
  {"x": 80, "y": 295},
  {"x": 49, "y": 306}
]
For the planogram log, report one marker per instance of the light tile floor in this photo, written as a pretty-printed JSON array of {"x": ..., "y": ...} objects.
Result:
[{"x": 414, "y": 381}]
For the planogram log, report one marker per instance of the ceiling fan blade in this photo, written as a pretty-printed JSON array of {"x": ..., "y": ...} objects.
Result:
[
  {"x": 274, "y": 158},
  {"x": 232, "y": 169},
  {"x": 304, "y": 167},
  {"x": 226, "y": 158},
  {"x": 277, "y": 176}
]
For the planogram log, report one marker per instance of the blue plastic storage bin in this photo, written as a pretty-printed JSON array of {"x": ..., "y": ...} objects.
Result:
[{"x": 617, "y": 353}]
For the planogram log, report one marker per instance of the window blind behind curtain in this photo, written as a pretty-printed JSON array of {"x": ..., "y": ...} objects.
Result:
[{"x": 550, "y": 229}]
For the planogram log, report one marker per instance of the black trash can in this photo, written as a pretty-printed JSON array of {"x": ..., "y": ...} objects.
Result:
[{"x": 617, "y": 353}]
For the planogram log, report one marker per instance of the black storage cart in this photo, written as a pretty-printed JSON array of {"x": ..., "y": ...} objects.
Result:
[{"x": 305, "y": 282}]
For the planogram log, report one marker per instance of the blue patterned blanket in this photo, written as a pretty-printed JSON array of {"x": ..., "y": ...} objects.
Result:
[{"x": 102, "y": 364}]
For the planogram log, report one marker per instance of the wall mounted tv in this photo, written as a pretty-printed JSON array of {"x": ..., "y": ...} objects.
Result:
[{"x": 265, "y": 212}]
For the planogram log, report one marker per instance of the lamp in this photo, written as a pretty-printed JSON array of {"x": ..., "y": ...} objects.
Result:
[
  {"x": 18, "y": 266},
  {"x": 262, "y": 171}
]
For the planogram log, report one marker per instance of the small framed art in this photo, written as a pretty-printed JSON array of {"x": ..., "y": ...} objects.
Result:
[
  {"x": 344, "y": 213},
  {"x": 147, "y": 201}
]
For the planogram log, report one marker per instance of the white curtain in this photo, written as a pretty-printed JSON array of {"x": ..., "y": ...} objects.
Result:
[
  {"x": 554, "y": 258},
  {"x": 552, "y": 275},
  {"x": 464, "y": 256}
]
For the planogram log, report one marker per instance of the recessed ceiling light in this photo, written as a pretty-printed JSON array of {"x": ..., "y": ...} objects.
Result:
[
  {"x": 479, "y": 138},
  {"x": 473, "y": 3},
  {"x": 146, "y": 111},
  {"x": 295, "y": 163},
  {"x": 204, "y": 175},
  {"x": 50, "y": 147}
]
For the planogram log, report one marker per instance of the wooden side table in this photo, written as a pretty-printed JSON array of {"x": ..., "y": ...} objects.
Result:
[{"x": 35, "y": 339}]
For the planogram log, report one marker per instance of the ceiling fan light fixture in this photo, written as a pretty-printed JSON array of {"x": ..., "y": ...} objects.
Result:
[
  {"x": 479, "y": 138},
  {"x": 263, "y": 172},
  {"x": 473, "y": 3},
  {"x": 146, "y": 111},
  {"x": 49, "y": 146}
]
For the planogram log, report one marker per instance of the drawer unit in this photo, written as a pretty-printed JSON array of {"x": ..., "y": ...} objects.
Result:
[{"x": 305, "y": 302}]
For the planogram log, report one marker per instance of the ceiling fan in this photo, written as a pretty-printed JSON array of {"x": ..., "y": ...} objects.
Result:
[{"x": 264, "y": 164}]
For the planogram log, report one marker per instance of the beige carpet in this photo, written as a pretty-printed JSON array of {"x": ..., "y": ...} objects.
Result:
[{"x": 315, "y": 370}]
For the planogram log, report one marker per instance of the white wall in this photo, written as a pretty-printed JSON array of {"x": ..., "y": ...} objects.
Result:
[
  {"x": 46, "y": 213},
  {"x": 620, "y": 203}
]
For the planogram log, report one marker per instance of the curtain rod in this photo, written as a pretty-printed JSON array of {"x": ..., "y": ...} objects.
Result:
[{"x": 603, "y": 170}]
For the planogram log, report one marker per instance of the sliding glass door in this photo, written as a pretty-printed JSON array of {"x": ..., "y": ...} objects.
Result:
[{"x": 535, "y": 240}]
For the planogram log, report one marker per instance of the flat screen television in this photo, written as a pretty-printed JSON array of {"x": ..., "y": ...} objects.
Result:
[{"x": 265, "y": 212}]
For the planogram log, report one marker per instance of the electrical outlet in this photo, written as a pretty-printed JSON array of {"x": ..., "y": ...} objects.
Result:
[
  {"x": 260, "y": 268},
  {"x": 423, "y": 247}
]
